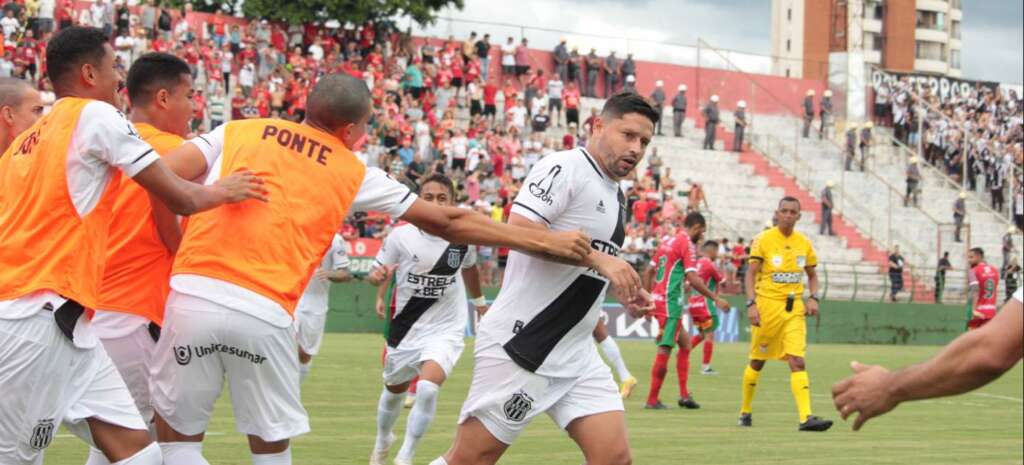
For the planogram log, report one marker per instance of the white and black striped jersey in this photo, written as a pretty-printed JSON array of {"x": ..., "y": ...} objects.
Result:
[
  {"x": 429, "y": 297},
  {"x": 545, "y": 313}
]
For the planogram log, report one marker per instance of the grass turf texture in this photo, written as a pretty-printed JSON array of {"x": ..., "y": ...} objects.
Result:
[{"x": 984, "y": 427}]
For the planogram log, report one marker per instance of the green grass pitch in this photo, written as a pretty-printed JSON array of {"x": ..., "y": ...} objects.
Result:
[{"x": 984, "y": 427}]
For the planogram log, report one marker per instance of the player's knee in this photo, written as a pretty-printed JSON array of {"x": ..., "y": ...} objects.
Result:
[
  {"x": 757, "y": 365},
  {"x": 304, "y": 358},
  {"x": 258, "y": 446},
  {"x": 619, "y": 457},
  {"x": 797, "y": 363}
]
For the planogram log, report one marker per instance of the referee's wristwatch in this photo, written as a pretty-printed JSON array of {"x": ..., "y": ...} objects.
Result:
[
  {"x": 750, "y": 302},
  {"x": 814, "y": 297}
]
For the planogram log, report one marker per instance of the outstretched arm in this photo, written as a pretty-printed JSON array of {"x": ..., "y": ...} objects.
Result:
[
  {"x": 463, "y": 226},
  {"x": 972, "y": 360}
]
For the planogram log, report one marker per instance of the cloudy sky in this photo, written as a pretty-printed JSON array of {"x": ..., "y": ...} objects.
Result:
[{"x": 992, "y": 30}]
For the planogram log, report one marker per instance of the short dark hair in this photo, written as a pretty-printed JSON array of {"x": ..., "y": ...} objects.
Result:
[
  {"x": 789, "y": 198},
  {"x": 70, "y": 48},
  {"x": 978, "y": 250},
  {"x": 338, "y": 99},
  {"x": 152, "y": 72},
  {"x": 710, "y": 244},
  {"x": 693, "y": 219},
  {"x": 625, "y": 103},
  {"x": 442, "y": 180}
]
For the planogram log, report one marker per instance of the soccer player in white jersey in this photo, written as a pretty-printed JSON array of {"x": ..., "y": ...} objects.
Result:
[
  {"x": 218, "y": 329},
  {"x": 426, "y": 332},
  {"x": 311, "y": 313},
  {"x": 533, "y": 349}
]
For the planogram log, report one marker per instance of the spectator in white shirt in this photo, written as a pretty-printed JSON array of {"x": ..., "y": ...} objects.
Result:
[
  {"x": 517, "y": 115},
  {"x": 123, "y": 46},
  {"x": 459, "y": 150},
  {"x": 316, "y": 51},
  {"x": 10, "y": 25}
]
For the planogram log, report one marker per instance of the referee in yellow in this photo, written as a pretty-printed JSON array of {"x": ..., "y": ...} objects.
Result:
[{"x": 779, "y": 257}]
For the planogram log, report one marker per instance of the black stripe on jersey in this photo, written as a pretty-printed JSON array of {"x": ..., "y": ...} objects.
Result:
[
  {"x": 591, "y": 161},
  {"x": 620, "y": 227},
  {"x": 411, "y": 312},
  {"x": 448, "y": 264},
  {"x": 534, "y": 341},
  {"x": 532, "y": 210},
  {"x": 147, "y": 152},
  {"x": 204, "y": 140},
  {"x": 407, "y": 194}
]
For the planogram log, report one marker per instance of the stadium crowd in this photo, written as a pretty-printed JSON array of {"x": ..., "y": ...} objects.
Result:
[
  {"x": 983, "y": 129},
  {"x": 480, "y": 113}
]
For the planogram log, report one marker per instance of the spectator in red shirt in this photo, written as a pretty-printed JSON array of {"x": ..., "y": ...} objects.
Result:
[
  {"x": 199, "y": 108},
  {"x": 490, "y": 100},
  {"x": 571, "y": 99}
]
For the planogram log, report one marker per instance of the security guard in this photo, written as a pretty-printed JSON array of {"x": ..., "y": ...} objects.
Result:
[
  {"x": 679, "y": 111},
  {"x": 710, "y": 122}
]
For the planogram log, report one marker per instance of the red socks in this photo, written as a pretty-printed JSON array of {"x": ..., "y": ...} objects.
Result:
[
  {"x": 683, "y": 371},
  {"x": 658, "y": 372},
  {"x": 709, "y": 347}
]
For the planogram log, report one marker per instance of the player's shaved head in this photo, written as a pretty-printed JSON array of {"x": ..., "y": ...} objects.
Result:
[
  {"x": 978, "y": 251},
  {"x": 13, "y": 91},
  {"x": 337, "y": 101},
  {"x": 711, "y": 245},
  {"x": 20, "y": 107}
]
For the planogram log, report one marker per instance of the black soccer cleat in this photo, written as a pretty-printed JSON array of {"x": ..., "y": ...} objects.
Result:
[
  {"x": 814, "y": 423},
  {"x": 689, "y": 403},
  {"x": 746, "y": 420},
  {"x": 655, "y": 406}
]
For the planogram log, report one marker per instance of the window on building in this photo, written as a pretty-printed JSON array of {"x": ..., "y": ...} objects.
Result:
[
  {"x": 789, "y": 14},
  {"x": 954, "y": 29},
  {"x": 787, "y": 72},
  {"x": 873, "y": 9},
  {"x": 787, "y": 44},
  {"x": 954, "y": 58},
  {"x": 931, "y": 20},
  {"x": 930, "y": 51},
  {"x": 954, "y": 4}
]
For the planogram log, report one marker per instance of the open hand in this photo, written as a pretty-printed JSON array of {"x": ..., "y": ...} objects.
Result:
[
  {"x": 242, "y": 185},
  {"x": 865, "y": 393}
]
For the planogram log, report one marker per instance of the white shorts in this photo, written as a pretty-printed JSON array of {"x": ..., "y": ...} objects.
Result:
[
  {"x": 505, "y": 397},
  {"x": 309, "y": 328},
  {"x": 401, "y": 365},
  {"x": 202, "y": 343},
  {"x": 45, "y": 381},
  {"x": 131, "y": 353}
]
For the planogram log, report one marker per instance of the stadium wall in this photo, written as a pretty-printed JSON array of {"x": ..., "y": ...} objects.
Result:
[
  {"x": 764, "y": 93},
  {"x": 352, "y": 311}
]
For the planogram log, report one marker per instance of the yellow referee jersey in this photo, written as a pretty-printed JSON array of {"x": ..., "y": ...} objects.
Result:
[{"x": 782, "y": 263}]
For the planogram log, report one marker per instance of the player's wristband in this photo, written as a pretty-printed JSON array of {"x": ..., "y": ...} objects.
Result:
[
  {"x": 750, "y": 303},
  {"x": 478, "y": 301},
  {"x": 813, "y": 297}
]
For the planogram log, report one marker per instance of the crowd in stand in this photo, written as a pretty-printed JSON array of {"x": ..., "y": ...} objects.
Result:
[
  {"x": 439, "y": 105},
  {"x": 980, "y": 133}
]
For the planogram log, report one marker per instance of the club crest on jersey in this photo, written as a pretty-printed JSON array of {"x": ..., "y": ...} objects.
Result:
[
  {"x": 600, "y": 206},
  {"x": 801, "y": 261},
  {"x": 777, "y": 260},
  {"x": 517, "y": 406},
  {"x": 454, "y": 258},
  {"x": 542, "y": 189},
  {"x": 42, "y": 434}
]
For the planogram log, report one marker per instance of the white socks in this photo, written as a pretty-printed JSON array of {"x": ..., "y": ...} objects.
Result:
[
  {"x": 149, "y": 455},
  {"x": 439, "y": 461},
  {"x": 280, "y": 458},
  {"x": 304, "y": 370},
  {"x": 183, "y": 453},
  {"x": 612, "y": 353},
  {"x": 388, "y": 409},
  {"x": 419, "y": 419}
]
